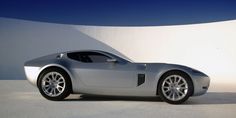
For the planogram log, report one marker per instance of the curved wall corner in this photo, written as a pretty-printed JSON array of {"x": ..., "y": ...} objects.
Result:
[
  {"x": 25, "y": 40},
  {"x": 207, "y": 47}
]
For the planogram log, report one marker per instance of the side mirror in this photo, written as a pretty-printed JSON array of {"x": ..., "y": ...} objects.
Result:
[{"x": 112, "y": 60}]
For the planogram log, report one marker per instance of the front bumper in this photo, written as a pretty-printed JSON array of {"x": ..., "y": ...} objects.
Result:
[{"x": 201, "y": 84}]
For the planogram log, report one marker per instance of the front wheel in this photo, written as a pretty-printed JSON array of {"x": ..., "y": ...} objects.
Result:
[
  {"x": 54, "y": 84},
  {"x": 175, "y": 87}
]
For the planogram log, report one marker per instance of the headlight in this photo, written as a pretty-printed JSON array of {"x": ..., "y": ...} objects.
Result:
[{"x": 196, "y": 71}]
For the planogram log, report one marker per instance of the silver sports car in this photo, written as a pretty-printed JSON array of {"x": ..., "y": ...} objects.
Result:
[{"x": 102, "y": 73}]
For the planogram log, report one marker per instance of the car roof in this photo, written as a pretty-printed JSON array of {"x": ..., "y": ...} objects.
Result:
[{"x": 86, "y": 51}]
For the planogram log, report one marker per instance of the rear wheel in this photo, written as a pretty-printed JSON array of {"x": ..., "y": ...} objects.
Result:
[
  {"x": 175, "y": 87},
  {"x": 54, "y": 84}
]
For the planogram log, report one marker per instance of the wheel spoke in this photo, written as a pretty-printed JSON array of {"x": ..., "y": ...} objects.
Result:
[
  {"x": 178, "y": 81},
  {"x": 171, "y": 80},
  {"x": 171, "y": 92},
  {"x": 59, "y": 89},
  {"x": 47, "y": 80},
  {"x": 182, "y": 84},
  {"x": 167, "y": 89},
  {"x": 183, "y": 88},
  {"x": 53, "y": 76},
  {"x": 167, "y": 82},
  {"x": 54, "y": 91},
  {"x": 175, "y": 79},
  {"x": 173, "y": 96},
  {"x": 177, "y": 93},
  {"x": 47, "y": 89},
  {"x": 57, "y": 77},
  {"x": 47, "y": 86},
  {"x": 60, "y": 80},
  {"x": 51, "y": 90}
]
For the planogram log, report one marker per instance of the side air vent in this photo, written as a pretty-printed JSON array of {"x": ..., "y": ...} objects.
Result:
[{"x": 141, "y": 79}]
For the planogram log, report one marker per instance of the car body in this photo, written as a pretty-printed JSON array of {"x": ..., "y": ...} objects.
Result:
[{"x": 101, "y": 73}]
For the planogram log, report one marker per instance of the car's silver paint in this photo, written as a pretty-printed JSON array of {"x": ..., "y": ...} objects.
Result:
[{"x": 112, "y": 78}]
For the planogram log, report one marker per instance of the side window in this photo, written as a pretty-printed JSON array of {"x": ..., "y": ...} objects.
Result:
[
  {"x": 98, "y": 58},
  {"x": 88, "y": 57},
  {"x": 74, "y": 56}
]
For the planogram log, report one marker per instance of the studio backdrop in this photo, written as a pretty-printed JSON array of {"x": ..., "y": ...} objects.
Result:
[{"x": 209, "y": 47}]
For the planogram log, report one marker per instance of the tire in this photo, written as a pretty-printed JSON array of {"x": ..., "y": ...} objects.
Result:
[
  {"x": 54, "y": 84},
  {"x": 175, "y": 87}
]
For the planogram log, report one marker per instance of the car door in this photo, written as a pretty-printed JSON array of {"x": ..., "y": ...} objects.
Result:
[{"x": 95, "y": 70}]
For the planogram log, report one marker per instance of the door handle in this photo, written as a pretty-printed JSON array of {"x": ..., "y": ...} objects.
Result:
[{"x": 142, "y": 66}]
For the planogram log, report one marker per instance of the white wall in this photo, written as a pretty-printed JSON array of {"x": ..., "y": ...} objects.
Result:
[
  {"x": 24, "y": 40},
  {"x": 207, "y": 47}
]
